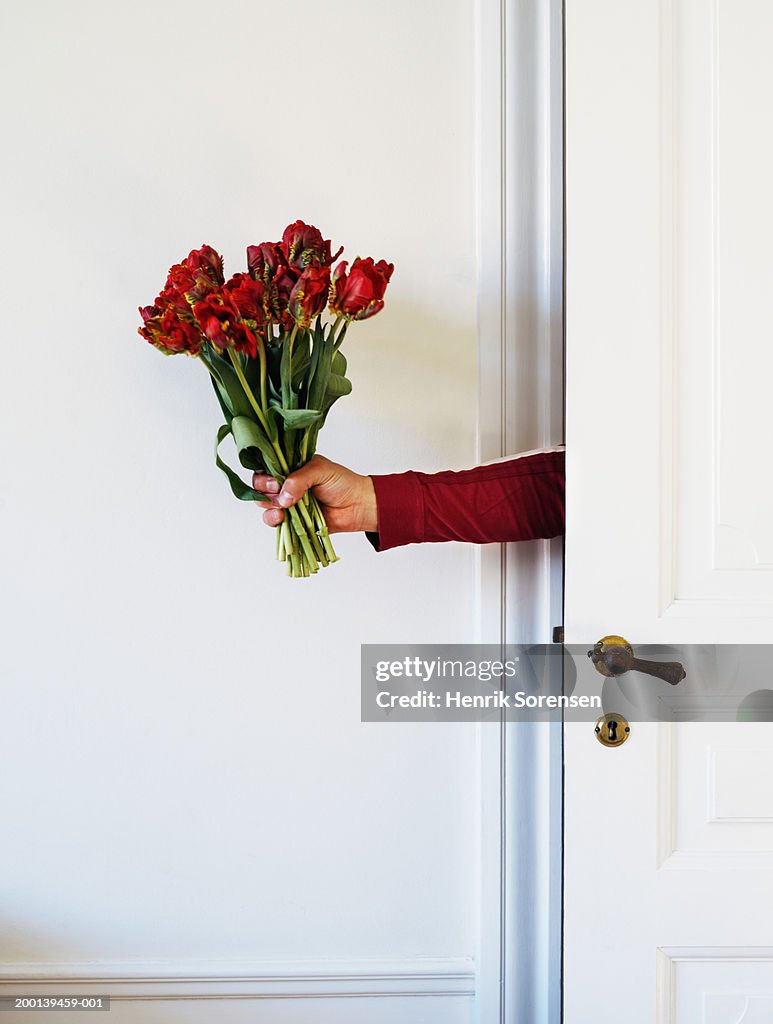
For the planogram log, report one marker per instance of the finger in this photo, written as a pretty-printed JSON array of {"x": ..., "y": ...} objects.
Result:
[
  {"x": 265, "y": 484},
  {"x": 297, "y": 483},
  {"x": 273, "y": 516}
]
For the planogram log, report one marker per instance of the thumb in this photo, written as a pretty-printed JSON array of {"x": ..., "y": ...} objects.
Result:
[{"x": 297, "y": 483}]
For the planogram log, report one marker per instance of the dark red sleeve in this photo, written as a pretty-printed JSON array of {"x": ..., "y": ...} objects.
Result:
[{"x": 519, "y": 499}]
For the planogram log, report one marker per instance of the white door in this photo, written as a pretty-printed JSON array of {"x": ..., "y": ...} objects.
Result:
[{"x": 669, "y": 838}]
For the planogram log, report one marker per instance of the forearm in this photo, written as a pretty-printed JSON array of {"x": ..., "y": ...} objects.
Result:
[{"x": 519, "y": 499}]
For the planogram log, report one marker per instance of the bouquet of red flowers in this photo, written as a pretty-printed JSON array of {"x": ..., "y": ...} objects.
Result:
[{"x": 275, "y": 364}]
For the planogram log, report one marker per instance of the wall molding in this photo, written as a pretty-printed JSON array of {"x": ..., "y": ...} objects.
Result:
[
  {"x": 519, "y": 173},
  {"x": 244, "y": 979}
]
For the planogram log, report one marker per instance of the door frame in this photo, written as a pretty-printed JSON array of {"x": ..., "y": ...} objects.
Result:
[{"x": 519, "y": 150}]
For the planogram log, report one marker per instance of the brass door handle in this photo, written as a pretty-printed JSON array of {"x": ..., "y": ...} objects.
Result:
[{"x": 613, "y": 656}]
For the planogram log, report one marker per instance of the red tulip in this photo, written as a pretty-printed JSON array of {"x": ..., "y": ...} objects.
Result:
[
  {"x": 219, "y": 320},
  {"x": 247, "y": 296},
  {"x": 264, "y": 260},
  {"x": 303, "y": 246},
  {"x": 309, "y": 296},
  {"x": 267, "y": 263},
  {"x": 199, "y": 273},
  {"x": 279, "y": 296},
  {"x": 208, "y": 260},
  {"x": 169, "y": 333},
  {"x": 170, "y": 298},
  {"x": 360, "y": 293}
]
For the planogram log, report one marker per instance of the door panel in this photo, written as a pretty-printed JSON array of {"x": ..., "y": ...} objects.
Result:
[
  {"x": 669, "y": 359},
  {"x": 716, "y": 988}
]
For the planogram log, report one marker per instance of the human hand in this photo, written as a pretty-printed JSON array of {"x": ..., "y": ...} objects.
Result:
[{"x": 348, "y": 499}]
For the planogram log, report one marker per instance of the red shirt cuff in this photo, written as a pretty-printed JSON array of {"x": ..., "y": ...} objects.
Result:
[{"x": 400, "y": 509}]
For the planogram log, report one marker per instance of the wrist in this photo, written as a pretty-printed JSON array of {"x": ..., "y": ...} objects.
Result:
[{"x": 368, "y": 507}]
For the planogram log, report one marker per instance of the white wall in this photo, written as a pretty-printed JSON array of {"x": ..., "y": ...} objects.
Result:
[{"x": 183, "y": 774}]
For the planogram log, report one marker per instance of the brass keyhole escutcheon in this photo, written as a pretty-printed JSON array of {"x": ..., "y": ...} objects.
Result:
[{"x": 612, "y": 730}]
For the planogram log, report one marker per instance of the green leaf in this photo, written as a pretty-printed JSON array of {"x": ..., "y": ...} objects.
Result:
[
  {"x": 284, "y": 375},
  {"x": 337, "y": 386},
  {"x": 217, "y": 388},
  {"x": 250, "y": 438},
  {"x": 251, "y": 458},
  {"x": 321, "y": 374},
  {"x": 273, "y": 417},
  {"x": 273, "y": 361},
  {"x": 232, "y": 392},
  {"x": 274, "y": 394},
  {"x": 300, "y": 375},
  {"x": 251, "y": 369},
  {"x": 339, "y": 364},
  {"x": 240, "y": 489},
  {"x": 299, "y": 418},
  {"x": 247, "y": 433},
  {"x": 301, "y": 358},
  {"x": 319, "y": 341}
]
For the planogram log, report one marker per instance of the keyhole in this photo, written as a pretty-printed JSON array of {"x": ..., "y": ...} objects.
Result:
[{"x": 610, "y": 730}]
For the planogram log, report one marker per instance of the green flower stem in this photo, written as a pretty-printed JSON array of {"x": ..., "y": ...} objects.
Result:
[
  {"x": 311, "y": 529},
  {"x": 288, "y": 398},
  {"x": 311, "y": 534},
  {"x": 258, "y": 411},
  {"x": 284, "y": 529},
  {"x": 262, "y": 357},
  {"x": 292, "y": 339},
  {"x": 341, "y": 336},
  {"x": 319, "y": 550},
  {"x": 212, "y": 373},
  {"x": 305, "y": 446},
  {"x": 302, "y": 535},
  {"x": 310, "y": 543},
  {"x": 263, "y": 388},
  {"x": 325, "y": 538},
  {"x": 248, "y": 392},
  {"x": 287, "y": 538},
  {"x": 322, "y": 530},
  {"x": 295, "y": 561}
]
